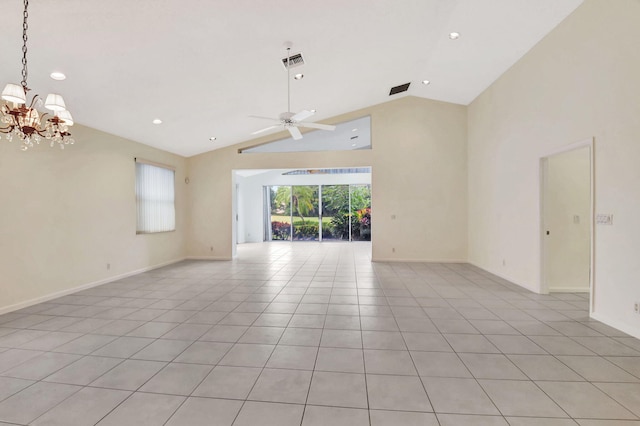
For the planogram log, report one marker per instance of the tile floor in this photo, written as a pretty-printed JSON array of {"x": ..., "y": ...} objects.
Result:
[{"x": 314, "y": 334}]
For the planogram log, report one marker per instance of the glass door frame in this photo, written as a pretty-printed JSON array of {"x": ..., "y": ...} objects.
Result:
[{"x": 268, "y": 234}]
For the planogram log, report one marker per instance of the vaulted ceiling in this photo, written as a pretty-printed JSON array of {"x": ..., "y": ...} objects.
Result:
[{"x": 204, "y": 66}]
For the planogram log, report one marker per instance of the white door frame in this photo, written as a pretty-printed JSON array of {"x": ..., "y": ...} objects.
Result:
[{"x": 590, "y": 143}]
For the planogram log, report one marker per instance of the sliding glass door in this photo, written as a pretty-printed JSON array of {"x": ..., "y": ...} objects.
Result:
[
  {"x": 360, "y": 196},
  {"x": 335, "y": 212},
  {"x": 313, "y": 213},
  {"x": 280, "y": 212},
  {"x": 304, "y": 203}
]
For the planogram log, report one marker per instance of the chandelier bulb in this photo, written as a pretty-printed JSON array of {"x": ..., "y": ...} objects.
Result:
[
  {"x": 55, "y": 102},
  {"x": 14, "y": 93}
]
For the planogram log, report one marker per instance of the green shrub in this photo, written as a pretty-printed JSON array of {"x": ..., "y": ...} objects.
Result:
[
  {"x": 327, "y": 230},
  {"x": 305, "y": 230}
]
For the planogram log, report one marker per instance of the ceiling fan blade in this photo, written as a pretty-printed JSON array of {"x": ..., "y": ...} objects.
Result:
[
  {"x": 302, "y": 115},
  {"x": 295, "y": 132},
  {"x": 316, "y": 126},
  {"x": 265, "y": 118},
  {"x": 265, "y": 129}
]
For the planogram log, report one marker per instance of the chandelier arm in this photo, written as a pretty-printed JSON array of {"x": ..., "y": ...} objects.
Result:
[{"x": 33, "y": 101}]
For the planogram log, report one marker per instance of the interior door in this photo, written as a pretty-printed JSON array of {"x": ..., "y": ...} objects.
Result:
[{"x": 567, "y": 221}]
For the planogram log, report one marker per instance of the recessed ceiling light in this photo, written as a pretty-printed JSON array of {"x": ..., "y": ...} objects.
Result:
[
  {"x": 354, "y": 144},
  {"x": 354, "y": 130},
  {"x": 426, "y": 82},
  {"x": 298, "y": 76},
  {"x": 313, "y": 110},
  {"x": 212, "y": 138},
  {"x": 58, "y": 76},
  {"x": 454, "y": 36},
  {"x": 157, "y": 121}
]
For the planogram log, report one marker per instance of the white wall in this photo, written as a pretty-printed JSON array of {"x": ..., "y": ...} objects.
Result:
[
  {"x": 251, "y": 196},
  {"x": 567, "y": 218},
  {"x": 419, "y": 164},
  {"x": 250, "y": 207},
  {"x": 581, "y": 81},
  {"x": 67, "y": 213}
]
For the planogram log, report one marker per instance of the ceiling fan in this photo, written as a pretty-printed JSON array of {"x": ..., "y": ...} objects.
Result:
[{"x": 289, "y": 120}]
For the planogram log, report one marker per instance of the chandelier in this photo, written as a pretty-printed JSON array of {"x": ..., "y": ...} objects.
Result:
[{"x": 26, "y": 122}]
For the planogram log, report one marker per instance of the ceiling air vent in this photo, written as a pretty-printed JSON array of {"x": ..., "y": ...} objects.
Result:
[
  {"x": 295, "y": 60},
  {"x": 399, "y": 89}
]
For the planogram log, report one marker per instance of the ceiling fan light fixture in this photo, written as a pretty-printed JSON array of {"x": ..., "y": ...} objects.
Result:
[{"x": 14, "y": 93}]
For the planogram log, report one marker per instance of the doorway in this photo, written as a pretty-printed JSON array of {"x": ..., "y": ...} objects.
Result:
[{"x": 567, "y": 220}]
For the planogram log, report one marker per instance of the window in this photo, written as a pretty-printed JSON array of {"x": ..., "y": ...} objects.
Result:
[{"x": 155, "y": 198}]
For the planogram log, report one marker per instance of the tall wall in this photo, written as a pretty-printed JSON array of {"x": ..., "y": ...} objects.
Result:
[
  {"x": 579, "y": 82},
  {"x": 66, "y": 214},
  {"x": 419, "y": 182}
]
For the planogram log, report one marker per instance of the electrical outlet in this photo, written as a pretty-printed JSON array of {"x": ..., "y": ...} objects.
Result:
[
  {"x": 636, "y": 307},
  {"x": 504, "y": 262},
  {"x": 108, "y": 266}
]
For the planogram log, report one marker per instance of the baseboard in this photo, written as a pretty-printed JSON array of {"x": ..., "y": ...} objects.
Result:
[
  {"x": 625, "y": 328},
  {"x": 401, "y": 260},
  {"x": 507, "y": 278},
  {"x": 209, "y": 258},
  {"x": 46, "y": 298},
  {"x": 569, "y": 290}
]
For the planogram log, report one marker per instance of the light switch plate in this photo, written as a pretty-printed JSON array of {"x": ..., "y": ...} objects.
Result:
[{"x": 604, "y": 219}]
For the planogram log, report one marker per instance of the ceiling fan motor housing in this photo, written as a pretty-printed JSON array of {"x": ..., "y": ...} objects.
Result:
[{"x": 286, "y": 116}]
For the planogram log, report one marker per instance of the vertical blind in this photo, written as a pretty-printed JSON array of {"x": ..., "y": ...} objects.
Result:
[{"x": 155, "y": 198}]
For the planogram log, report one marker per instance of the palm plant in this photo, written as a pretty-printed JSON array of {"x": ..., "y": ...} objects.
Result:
[{"x": 304, "y": 200}]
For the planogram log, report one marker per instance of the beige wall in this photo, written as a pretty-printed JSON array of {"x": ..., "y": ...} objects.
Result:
[
  {"x": 566, "y": 215},
  {"x": 66, "y": 213},
  {"x": 580, "y": 82},
  {"x": 418, "y": 165}
]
